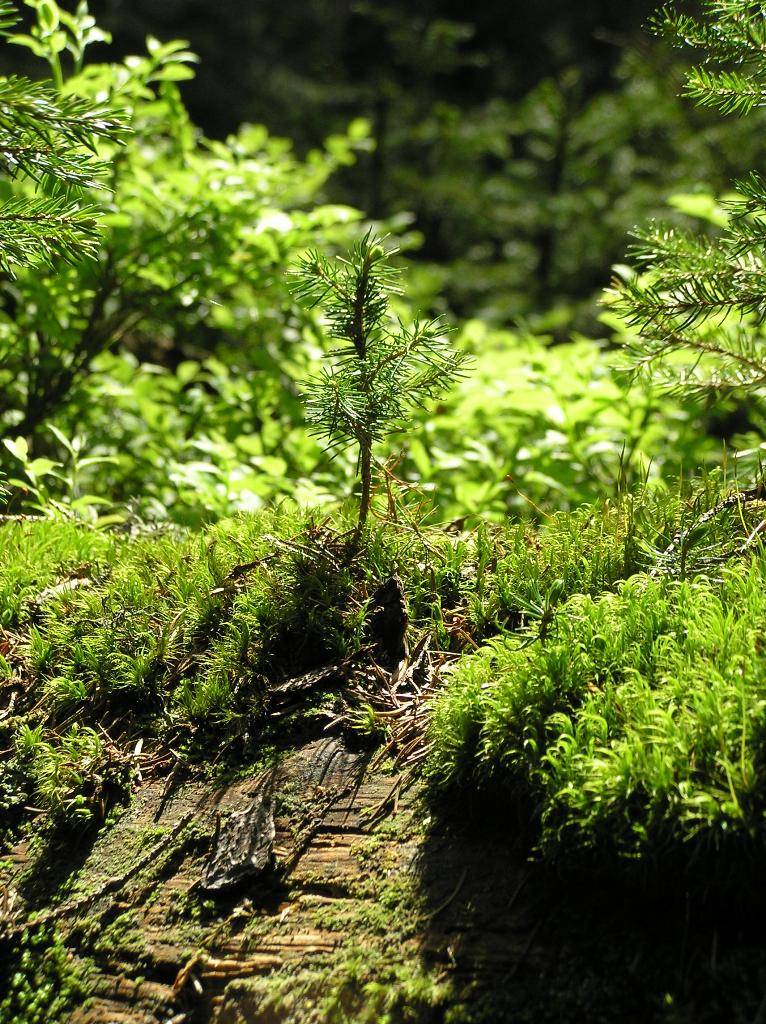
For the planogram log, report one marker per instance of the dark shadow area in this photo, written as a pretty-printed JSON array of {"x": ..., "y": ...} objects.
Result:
[
  {"x": 54, "y": 864},
  {"x": 523, "y": 945}
]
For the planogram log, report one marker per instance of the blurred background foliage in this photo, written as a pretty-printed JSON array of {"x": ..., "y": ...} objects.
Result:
[
  {"x": 523, "y": 140},
  {"x": 509, "y": 148}
]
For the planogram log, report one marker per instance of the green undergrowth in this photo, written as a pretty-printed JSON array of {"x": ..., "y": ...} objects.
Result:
[
  {"x": 368, "y": 986},
  {"x": 621, "y": 711},
  {"x": 112, "y": 638},
  {"x": 632, "y": 733},
  {"x": 40, "y": 981}
]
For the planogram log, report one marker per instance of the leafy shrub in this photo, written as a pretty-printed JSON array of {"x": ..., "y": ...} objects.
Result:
[
  {"x": 168, "y": 366},
  {"x": 196, "y": 236},
  {"x": 532, "y": 429},
  {"x": 537, "y": 428}
]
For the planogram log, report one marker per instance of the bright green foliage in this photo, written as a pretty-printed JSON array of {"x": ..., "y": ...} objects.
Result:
[
  {"x": 162, "y": 634},
  {"x": 537, "y": 428},
  {"x": 610, "y": 701},
  {"x": 383, "y": 370},
  {"x": 73, "y": 778},
  {"x": 166, "y": 615},
  {"x": 732, "y": 32},
  {"x": 615, "y": 694},
  {"x": 629, "y": 725},
  {"x": 36, "y": 557},
  {"x": 57, "y": 32},
  {"x": 534, "y": 426},
  {"x": 196, "y": 236},
  {"x": 49, "y": 484},
  {"x": 169, "y": 365},
  {"x": 49, "y": 140},
  {"x": 522, "y": 576},
  {"x": 700, "y": 303}
]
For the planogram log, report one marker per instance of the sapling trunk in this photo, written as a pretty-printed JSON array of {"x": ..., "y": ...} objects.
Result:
[
  {"x": 359, "y": 336},
  {"x": 365, "y": 472}
]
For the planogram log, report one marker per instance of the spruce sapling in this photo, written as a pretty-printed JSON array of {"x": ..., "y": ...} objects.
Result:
[{"x": 382, "y": 368}]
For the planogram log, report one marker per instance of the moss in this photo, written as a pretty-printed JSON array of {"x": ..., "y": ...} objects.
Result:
[
  {"x": 40, "y": 980},
  {"x": 122, "y": 938},
  {"x": 364, "y": 985},
  {"x": 635, "y": 727},
  {"x": 588, "y": 681}
]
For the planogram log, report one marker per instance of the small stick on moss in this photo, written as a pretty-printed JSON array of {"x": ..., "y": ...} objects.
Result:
[{"x": 736, "y": 498}]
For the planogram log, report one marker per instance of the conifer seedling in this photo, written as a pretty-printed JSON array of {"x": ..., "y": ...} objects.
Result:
[{"x": 381, "y": 369}]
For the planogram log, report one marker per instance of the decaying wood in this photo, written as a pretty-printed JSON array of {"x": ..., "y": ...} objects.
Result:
[
  {"x": 107, "y": 888},
  {"x": 244, "y": 845},
  {"x": 387, "y": 621},
  {"x": 471, "y": 908},
  {"x": 211, "y": 968},
  {"x": 285, "y": 697},
  {"x": 308, "y": 830},
  {"x": 317, "y": 848},
  {"x": 386, "y": 631}
]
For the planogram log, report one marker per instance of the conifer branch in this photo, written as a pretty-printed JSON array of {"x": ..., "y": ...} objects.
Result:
[
  {"x": 51, "y": 140},
  {"x": 700, "y": 302}
]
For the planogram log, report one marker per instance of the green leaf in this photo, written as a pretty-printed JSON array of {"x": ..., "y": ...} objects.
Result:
[
  {"x": 61, "y": 438},
  {"x": 112, "y": 519},
  {"x": 48, "y": 15},
  {"x": 359, "y": 129},
  {"x": 700, "y": 205},
  {"x": 99, "y": 460},
  {"x": 18, "y": 447},
  {"x": 41, "y": 467},
  {"x": 87, "y": 501},
  {"x": 173, "y": 73},
  {"x": 56, "y": 42},
  {"x": 250, "y": 444},
  {"x": 34, "y": 45}
]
